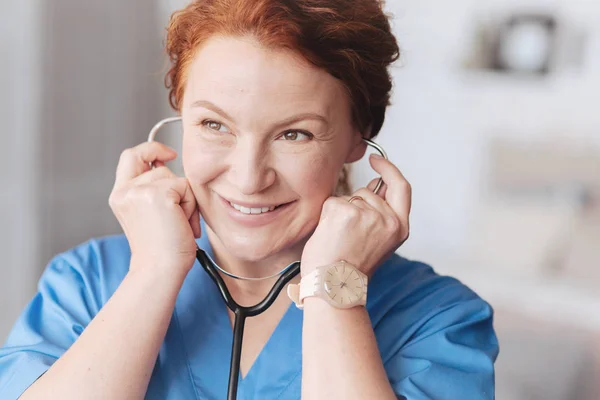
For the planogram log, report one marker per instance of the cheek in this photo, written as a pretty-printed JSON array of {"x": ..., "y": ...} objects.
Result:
[
  {"x": 201, "y": 162},
  {"x": 313, "y": 178}
]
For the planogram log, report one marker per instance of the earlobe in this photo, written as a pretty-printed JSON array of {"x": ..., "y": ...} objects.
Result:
[{"x": 357, "y": 152}]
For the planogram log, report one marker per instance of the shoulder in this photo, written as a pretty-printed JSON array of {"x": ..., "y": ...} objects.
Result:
[
  {"x": 412, "y": 300},
  {"x": 402, "y": 281},
  {"x": 435, "y": 335},
  {"x": 98, "y": 251},
  {"x": 97, "y": 265}
]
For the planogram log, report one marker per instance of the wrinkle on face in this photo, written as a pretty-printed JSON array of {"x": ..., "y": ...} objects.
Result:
[{"x": 258, "y": 88}]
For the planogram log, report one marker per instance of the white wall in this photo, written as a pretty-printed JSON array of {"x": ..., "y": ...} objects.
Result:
[
  {"x": 19, "y": 113},
  {"x": 442, "y": 116},
  {"x": 102, "y": 82},
  {"x": 80, "y": 83}
]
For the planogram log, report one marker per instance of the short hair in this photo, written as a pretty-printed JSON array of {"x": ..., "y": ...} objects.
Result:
[{"x": 350, "y": 39}]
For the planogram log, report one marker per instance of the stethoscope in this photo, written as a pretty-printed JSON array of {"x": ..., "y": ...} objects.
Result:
[{"x": 241, "y": 312}]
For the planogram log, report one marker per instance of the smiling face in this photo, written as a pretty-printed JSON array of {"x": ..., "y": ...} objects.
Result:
[{"x": 266, "y": 135}]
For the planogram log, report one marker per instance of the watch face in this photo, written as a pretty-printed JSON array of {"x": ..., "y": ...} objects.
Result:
[{"x": 343, "y": 284}]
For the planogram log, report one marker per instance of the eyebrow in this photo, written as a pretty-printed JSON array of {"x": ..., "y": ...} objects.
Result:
[
  {"x": 213, "y": 107},
  {"x": 288, "y": 121}
]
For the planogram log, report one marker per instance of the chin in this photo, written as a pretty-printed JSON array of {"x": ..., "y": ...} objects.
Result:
[
  {"x": 244, "y": 247},
  {"x": 256, "y": 248}
]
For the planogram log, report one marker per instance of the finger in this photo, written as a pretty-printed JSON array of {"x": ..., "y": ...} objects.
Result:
[
  {"x": 371, "y": 200},
  {"x": 154, "y": 175},
  {"x": 187, "y": 200},
  {"x": 177, "y": 191},
  {"x": 135, "y": 161},
  {"x": 373, "y": 184},
  {"x": 399, "y": 192},
  {"x": 195, "y": 223}
]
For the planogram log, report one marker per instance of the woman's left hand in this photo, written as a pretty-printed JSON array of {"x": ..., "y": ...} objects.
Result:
[{"x": 366, "y": 231}]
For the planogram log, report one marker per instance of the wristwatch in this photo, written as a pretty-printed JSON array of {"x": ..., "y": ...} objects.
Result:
[{"x": 340, "y": 284}]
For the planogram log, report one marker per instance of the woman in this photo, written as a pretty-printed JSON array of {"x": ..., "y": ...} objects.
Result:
[{"x": 276, "y": 96}]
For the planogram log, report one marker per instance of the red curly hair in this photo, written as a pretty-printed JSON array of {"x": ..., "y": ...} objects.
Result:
[{"x": 350, "y": 39}]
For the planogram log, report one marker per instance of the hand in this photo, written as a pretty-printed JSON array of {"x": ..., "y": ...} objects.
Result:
[
  {"x": 364, "y": 232},
  {"x": 156, "y": 209}
]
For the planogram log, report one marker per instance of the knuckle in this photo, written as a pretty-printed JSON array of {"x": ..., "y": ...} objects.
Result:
[
  {"x": 147, "y": 193},
  {"x": 403, "y": 237},
  {"x": 372, "y": 215},
  {"x": 160, "y": 172},
  {"x": 352, "y": 213},
  {"x": 400, "y": 231},
  {"x": 112, "y": 201},
  {"x": 330, "y": 204},
  {"x": 395, "y": 225},
  {"x": 406, "y": 186},
  {"x": 115, "y": 199},
  {"x": 126, "y": 154},
  {"x": 362, "y": 192},
  {"x": 140, "y": 194}
]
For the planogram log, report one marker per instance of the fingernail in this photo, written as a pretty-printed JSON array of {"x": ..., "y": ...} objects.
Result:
[{"x": 377, "y": 156}]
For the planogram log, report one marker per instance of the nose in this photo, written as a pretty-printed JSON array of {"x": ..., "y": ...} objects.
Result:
[{"x": 249, "y": 170}]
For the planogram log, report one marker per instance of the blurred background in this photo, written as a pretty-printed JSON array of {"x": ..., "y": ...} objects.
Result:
[{"x": 495, "y": 121}]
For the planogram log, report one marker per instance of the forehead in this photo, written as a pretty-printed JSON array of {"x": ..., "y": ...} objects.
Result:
[{"x": 228, "y": 69}]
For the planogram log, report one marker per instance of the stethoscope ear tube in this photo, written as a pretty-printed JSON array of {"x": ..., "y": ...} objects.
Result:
[{"x": 160, "y": 124}]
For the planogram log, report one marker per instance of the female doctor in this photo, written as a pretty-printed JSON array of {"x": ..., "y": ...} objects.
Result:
[{"x": 276, "y": 96}]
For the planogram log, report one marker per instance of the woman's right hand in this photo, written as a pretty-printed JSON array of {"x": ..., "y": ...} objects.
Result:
[{"x": 156, "y": 209}]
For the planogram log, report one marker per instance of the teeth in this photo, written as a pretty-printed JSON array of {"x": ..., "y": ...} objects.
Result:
[{"x": 246, "y": 210}]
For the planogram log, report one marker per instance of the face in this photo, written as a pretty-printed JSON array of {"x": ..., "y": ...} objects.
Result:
[{"x": 265, "y": 137}]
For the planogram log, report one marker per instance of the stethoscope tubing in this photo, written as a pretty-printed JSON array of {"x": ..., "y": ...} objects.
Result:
[{"x": 241, "y": 312}]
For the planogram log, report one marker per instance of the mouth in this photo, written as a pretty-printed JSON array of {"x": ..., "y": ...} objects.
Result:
[{"x": 255, "y": 209}]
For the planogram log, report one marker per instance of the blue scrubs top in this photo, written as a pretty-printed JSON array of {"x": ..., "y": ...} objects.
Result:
[{"x": 435, "y": 335}]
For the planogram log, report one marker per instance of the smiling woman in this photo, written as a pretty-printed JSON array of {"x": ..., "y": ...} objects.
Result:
[{"x": 276, "y": 97}]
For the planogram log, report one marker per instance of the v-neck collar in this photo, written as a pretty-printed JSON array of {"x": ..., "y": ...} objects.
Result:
[{"x": 207, "y": 337}]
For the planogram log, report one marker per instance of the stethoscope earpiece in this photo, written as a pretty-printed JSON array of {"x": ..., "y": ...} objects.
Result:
[{"x": 383, "y": 154}]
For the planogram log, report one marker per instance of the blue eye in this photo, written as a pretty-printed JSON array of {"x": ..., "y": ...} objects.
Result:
[{"x": 296, "y": 136}]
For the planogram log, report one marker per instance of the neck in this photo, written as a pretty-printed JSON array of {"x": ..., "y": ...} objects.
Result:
[{"x": 247, "y": 292}]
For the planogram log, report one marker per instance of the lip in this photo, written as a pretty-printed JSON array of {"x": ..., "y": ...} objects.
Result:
[
  {"x": 253, "y": 220},
  {"x": 249, "y": 205}
]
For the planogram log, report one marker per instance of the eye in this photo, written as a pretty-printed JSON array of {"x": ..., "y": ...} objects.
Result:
[
  {"x": 215, "y": 126},
  {"x": 296, "y": 136}
]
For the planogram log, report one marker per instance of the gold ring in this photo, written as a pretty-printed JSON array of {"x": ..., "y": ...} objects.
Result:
[{"x": 355, "y": 198}]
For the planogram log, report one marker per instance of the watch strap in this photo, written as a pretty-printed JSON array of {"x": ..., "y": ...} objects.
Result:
[{"x": 308, "y": 286}]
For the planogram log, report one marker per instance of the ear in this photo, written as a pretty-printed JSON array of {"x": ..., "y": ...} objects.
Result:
[{"x": 359, "y": 147}]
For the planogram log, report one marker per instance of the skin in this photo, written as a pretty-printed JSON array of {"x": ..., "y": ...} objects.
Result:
[{"x": 247, "y": 157}]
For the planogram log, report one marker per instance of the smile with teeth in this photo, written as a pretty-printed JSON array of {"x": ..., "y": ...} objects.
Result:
[{"x": 246, "y": 210}]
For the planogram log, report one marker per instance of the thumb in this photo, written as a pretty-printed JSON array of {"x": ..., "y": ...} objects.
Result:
[
  {"x": 187, "y": 200},
  {"x": 195, "y": 223}
]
